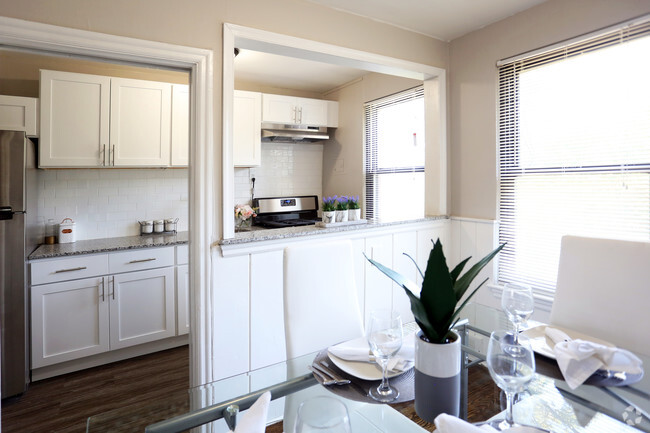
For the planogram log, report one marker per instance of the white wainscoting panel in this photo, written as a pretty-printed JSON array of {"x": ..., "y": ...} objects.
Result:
[
  {"x": 404, "y": 243},
  {"x": 267, "y": 312},
  {"x": 378, "y": 287},
  {"x": 231, "y": 303},
  {"x": 475, "y": 238}
]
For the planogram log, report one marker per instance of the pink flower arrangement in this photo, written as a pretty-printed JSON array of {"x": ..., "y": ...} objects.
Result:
[{"x": 244, "y": 212}]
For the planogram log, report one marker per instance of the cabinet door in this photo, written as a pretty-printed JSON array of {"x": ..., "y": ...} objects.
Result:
[
  {"x": 247, "y": 129},
  {"x": 140, "y": 123},
  {"x": 279, "y": 109},
  {"x": 141, "y": 307},
  {"x": 180, "y": 125},
  {"x": 19, "y": 114},
  {"x": 182, "y": 300},
  {"x": 312, "y": 112},
  {"x": 74, "y": 120},
  {"x": 69, "y": 321}
]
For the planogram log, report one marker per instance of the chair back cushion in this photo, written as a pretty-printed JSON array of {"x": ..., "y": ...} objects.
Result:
[
  {"x": 603, "y": 289},
  {"x": 320, "y": 297}
]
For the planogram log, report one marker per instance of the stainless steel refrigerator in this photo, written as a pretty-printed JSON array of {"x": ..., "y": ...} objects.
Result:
[{"x": 17, "y": 240}]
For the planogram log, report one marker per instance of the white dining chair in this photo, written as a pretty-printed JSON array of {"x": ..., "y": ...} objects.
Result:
[
  {"x": 320, "y": 297},
  {"x": 320, "y": 307},
  {"x": 603, "y": 290}
]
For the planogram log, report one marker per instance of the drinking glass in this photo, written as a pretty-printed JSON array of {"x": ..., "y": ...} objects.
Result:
[
  {"x": 518, "y": 303},
  {"x": 323, "y": 415},
  {"x": 384, "y": 336},
  {"x": 512, "y": 372}
]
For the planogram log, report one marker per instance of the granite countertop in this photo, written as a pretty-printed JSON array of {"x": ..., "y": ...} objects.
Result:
[
  {"x": 292, "y": 232},
  {"x": 92, "y": 246}
]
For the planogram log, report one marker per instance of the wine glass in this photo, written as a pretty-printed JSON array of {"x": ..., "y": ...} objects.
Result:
[
  {"x": 384, "y": 336},
  {"x": 518, "y": 303},
  {"x": 323, "y": 415},
  {"x": 512, "y": 371}
]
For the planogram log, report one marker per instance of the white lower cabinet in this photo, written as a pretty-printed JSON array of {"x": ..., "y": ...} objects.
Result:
[
  {"x": 182, "y": 300},
  {"x": 133, "y": 302},
  {"x": 69, "y": 321},
  {"x": 142, "y": 307}
]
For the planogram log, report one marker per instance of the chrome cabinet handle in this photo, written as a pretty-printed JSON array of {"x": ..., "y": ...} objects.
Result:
[
  {"x": 103, "y": 152},
  {"x": 113, "y": 155},
  {"x": 112, "y": 293},
  {"x": 103, "y": 297},
  {"x": 300, "y": 111},
  {"x": 141, "y": 261},
  {"x": 81, "y": 268}
]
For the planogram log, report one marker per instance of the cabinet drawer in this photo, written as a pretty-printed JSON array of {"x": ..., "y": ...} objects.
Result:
[
  {"x": 68, "y": 268},
  {"x": 182, "y": 254},
  {"x": 138, "y": 260}
]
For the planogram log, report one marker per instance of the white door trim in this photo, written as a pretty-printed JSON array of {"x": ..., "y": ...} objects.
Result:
[{"x": 55, "y": 40}]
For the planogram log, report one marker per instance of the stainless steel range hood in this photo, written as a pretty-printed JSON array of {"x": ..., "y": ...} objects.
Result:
[{"x": 293, "y": 133}]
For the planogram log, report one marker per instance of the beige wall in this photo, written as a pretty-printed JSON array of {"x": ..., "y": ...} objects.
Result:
[
  {"x": 343, "y": 153},
  {"x": 199, "y": 23},
  {"x": 473, "y": 90},
  {"x": 19, "y": 72}
]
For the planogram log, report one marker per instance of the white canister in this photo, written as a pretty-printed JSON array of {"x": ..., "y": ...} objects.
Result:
[
  {"x": 158, "y": 226},
  {"x": 170, "y": 224},
  {"x": 146, "y": 227},
  {"x": 67, "y": 231}
]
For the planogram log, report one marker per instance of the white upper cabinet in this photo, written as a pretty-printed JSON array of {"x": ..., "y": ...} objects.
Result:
[
  {"x": 98, "y": 121},
  {"x": 293, "y": 110},
  {"x": 247, "y": 129},
  {"x": 18, "y": 113},
  {"x": 74, "y": 120},
  {"x": 180, "y": 125},
  {"x": 140, "y": 131}
]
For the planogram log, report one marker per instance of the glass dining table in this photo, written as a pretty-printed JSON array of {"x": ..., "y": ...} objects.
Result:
[{"x": 548, "y": 402}]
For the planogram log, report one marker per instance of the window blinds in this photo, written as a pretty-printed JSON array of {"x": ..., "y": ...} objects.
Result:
[
  {"x": 394, "y": 156},
  {"x": 574, "y": 150}
]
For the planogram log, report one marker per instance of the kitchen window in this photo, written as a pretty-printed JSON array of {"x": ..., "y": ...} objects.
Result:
[
  {"x": 394, "y": 156},
  {"x": 574, "y": 150}
]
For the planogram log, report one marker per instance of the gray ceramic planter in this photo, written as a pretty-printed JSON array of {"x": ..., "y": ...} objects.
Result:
[{"x": 437, "y": 378}]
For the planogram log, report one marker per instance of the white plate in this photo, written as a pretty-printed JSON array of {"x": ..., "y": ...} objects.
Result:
[
  {"x": 544, "y": 346},
  {"x": 362, "y": 370}
]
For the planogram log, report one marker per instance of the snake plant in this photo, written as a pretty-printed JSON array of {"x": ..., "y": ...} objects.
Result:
[{"x": 435, "y": 309}]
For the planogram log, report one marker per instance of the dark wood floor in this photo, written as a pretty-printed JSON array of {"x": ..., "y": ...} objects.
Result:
[
  {"x": 64, "y": 403},
  {"x": 158, "y": 382}
]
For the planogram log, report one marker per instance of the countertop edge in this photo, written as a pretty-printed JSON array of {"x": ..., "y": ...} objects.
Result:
[
  {"x": 296, "y": 232},
  {"x": 107, "y": 245}
]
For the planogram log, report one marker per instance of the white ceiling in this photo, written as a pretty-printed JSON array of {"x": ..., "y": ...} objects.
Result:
[
  {"x": 290, "y": 72},
  {"x": 441, "y": 19}
]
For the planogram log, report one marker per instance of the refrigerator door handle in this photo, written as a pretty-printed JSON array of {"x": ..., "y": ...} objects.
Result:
[{"x": 6, "y": 213}]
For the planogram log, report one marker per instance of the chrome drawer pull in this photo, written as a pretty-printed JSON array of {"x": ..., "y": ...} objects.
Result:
[
  {"x": 141, "y": 261},
  {"x": 81, "y": 268}
]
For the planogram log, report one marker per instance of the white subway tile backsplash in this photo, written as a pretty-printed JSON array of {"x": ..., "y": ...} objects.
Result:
[
  {"x": 109, "y": 203},
  {"x": 286, "y": 169}
]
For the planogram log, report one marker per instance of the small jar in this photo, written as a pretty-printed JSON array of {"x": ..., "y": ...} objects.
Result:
[
  {"x": 146, "y": 227},
  {"x": 170, "y": 224},
  {"x": 158, "y": 226}
]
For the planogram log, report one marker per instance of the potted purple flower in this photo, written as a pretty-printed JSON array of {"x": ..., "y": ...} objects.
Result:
[
  {"x": 341, "y": 209},
  {"x": 354, "y": 209},
  {"x": 329, "y": 209}
]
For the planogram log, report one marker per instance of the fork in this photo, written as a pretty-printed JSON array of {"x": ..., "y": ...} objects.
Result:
[
  {"x": 337, "y": 379},
  {"x": 325, "y": 381}
]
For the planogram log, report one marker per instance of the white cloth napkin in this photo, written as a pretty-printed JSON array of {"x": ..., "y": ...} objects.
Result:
[
  {"x": 358, "y": 350},
  {"x": 450, "y": 424},
  {"x": 579, "y": 359},
  {"x": 254, "y": 419}
]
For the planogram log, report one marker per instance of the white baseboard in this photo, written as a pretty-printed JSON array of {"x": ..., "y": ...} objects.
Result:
[{"x": 108, "y": 357}]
